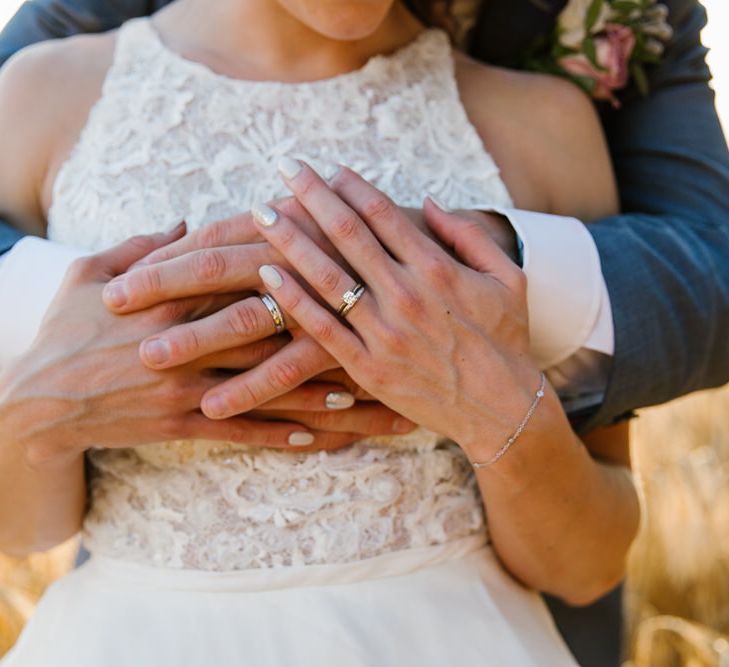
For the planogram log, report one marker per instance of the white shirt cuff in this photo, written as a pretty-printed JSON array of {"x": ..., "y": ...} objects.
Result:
[
  {"x": 30, "y": 275},
  {"x": 569, "y": 306}
]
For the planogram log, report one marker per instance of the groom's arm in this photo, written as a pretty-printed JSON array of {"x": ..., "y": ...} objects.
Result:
[
  {"x": 35, "y": 264},
  {"x": 665, "y": 260}
]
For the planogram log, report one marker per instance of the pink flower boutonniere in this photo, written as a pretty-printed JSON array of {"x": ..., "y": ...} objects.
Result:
[{"x": 602, "y": 44}]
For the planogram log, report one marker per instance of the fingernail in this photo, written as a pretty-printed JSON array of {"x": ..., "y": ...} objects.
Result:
[
  {"x": 439, "y": 205},
  {"x": 339, "y": 400},
  {"x": 264, "y": 215},
  {"x": 289, "y": 167},
  {"x": 115, "y": 293},
  {"x": 300, "y": 439},
  {"x": 215, "y": 407},
  {"x": 156, "y": 350},
  {"x": 270, "y": 276},
  {"x": 402, "y": 425}
]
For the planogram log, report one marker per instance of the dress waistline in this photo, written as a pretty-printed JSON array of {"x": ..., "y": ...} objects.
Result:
[{"x": 114, "y": 571}]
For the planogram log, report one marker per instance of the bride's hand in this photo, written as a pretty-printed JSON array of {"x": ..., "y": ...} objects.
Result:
[{"x": 441, "y": 342}]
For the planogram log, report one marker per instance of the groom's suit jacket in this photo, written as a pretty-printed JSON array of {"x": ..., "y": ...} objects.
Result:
[{"x": 665, "y": 259}]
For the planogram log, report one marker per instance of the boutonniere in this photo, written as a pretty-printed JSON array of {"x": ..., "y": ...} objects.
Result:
[{"x": 602, "y": 44}]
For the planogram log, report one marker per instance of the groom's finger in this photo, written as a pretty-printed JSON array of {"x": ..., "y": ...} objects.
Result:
[
  {"x": 245, "y": 321},
  {"x": 208, "y": 271}
]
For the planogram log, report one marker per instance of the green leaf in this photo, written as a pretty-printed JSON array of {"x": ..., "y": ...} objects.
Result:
[
  {"x": 590, "y": 51},
  {"x": 593, "y": 14}
]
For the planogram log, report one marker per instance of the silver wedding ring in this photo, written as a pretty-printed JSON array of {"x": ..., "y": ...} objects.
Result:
[
  {"x": 275, "y": 310},
  {"x": 350, "y": 299}
]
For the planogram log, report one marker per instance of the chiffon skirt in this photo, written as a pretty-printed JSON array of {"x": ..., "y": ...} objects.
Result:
[{"x": 446, "y": 605}]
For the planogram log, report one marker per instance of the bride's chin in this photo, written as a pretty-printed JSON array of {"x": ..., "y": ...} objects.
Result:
[{"x": 341, "y": 20}]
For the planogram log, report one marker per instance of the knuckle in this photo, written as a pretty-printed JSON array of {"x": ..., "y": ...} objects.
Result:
[
  {"x": 379, "y": 208},
  {"x": 408, "y": 302},
  {"x": 145, "y": 281},
  {"x": 287, "y": 237},
  {"x": 186, "y": 343},
  {"x": 239, "y": 433},
  {"x": 171, "y": 428},
  {"x": 394, "y": 340},
  {"x": 285, "y": 375},
  {"x": 211, "y": 235},
  {"x": 176, "y": 392},
  {"x": 80, "y": 269},
  {"x": 244, "y": 321},
  {"x": 344, "y": 225},
  {"x": 440, "y": 270},
  {"x": 142, "y": 244},
  {"x": 208, "y": 266},
  {"x": 322, "y": 330},
  {"x": 327, "y": 278}
]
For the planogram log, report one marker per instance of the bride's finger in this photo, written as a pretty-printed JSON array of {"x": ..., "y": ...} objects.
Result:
[
  {"x": 345, "y": 229},
  {"x": 392, "y": 226},
  {"x": 313, "y": 264},
  {"x": 325, "y": 328}
]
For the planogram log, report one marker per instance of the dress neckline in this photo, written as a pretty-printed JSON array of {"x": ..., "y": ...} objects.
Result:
[{"x": 421, "y": 42}]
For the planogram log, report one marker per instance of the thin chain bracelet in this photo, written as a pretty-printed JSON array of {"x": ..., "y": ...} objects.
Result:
[{"x": 515, "y": 436}]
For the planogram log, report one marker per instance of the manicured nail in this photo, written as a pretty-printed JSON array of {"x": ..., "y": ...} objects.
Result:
[
  {"x": 339, "y": 400},
  {"x": 402, "y": 425},
  {"x": 301, "y": 439},
  {"x": 115, "y": 293},
  {"x": 439, "y": 205},
  {"x": 270, "y": 276},
  {"x": 289, "y": 167},
  {"x": 156, "y": 350},
  {"x": 215, "y": 407},
  {"x": 264, "y": 215}
]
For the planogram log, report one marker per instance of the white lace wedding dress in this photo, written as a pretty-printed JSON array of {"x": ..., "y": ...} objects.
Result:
[{"x": 208, "y": 553}]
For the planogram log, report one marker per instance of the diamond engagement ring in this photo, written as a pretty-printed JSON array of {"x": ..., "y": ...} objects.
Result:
[
  {"x": 350, "y": 299},
  {"x": 275, "y": 310}
]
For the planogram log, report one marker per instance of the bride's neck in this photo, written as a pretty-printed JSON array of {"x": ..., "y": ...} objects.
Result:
[{"x": 259, "y": 39}]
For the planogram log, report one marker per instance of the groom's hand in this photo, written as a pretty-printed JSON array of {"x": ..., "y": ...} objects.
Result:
[
  {"x": 82, "y": 385},
  {"x": 224, "y": 257}
]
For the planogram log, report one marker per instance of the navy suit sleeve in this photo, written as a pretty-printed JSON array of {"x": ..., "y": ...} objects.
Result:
[
  {"x": 666, "y": 259},
  {"x": 47, "y": 19}
]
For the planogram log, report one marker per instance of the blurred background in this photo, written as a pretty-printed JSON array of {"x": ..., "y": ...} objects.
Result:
[{"x": 677, "y": 593}]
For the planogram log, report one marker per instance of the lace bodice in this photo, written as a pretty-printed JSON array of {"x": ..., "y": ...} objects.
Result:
[{"x": 168, "y": 140}]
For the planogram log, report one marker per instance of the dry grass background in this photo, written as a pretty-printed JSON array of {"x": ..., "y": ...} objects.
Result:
[{"x": 677, "y": 596}]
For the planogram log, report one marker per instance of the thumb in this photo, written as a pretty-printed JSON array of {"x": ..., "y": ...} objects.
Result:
[
  {"x": 117, "y": 260},
  {"x": 469, "y": 239}
]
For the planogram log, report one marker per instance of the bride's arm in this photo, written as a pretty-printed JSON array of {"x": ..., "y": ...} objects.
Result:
[
  {"x": 550, "y": 496},
  {"x": 561, "y": 520}
]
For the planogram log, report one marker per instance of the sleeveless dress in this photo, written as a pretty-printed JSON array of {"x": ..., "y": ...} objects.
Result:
[{"x": 210, "y": 553}]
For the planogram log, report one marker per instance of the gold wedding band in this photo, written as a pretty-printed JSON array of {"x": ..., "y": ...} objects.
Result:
[
  {"x": 275, "y": 310},
  {"x": 350, "y": 299}
]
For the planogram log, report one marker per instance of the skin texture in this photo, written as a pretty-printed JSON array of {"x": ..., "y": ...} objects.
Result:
[
  {"x": 546, "y": 538},
  {"x": 530, "y": 495}
]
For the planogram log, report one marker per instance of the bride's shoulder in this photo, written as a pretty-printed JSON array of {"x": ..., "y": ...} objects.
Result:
[
  {"x": 63, "y": 67},
  {"x": 46, "y": 92},
  {"x": 537, "y": 126}
]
